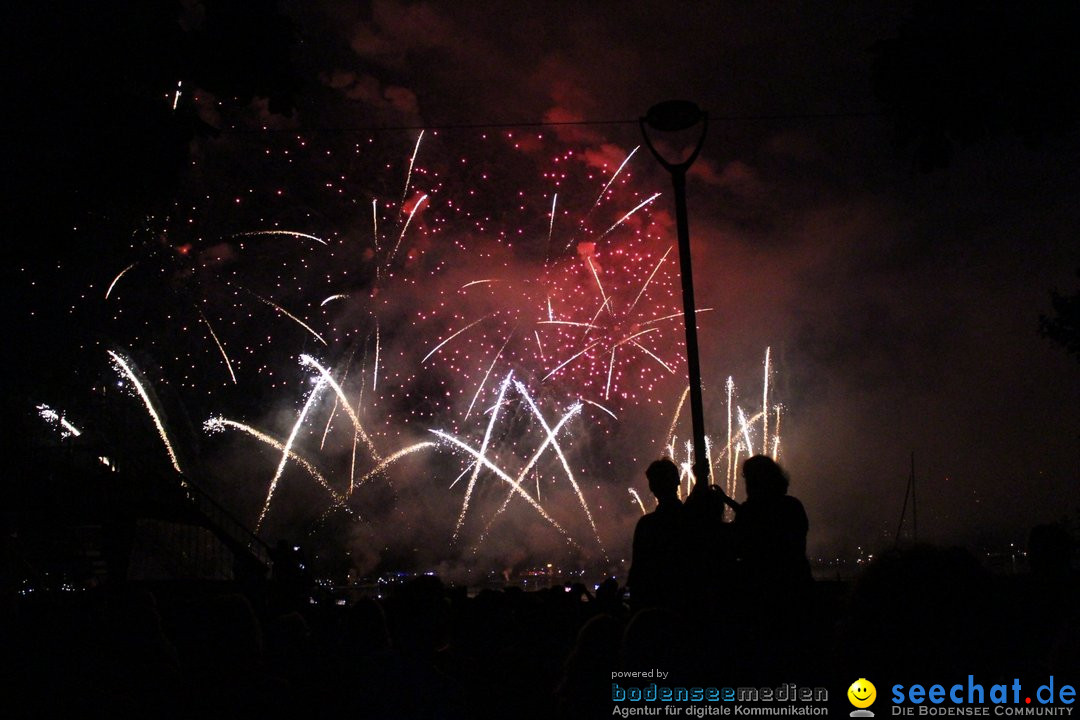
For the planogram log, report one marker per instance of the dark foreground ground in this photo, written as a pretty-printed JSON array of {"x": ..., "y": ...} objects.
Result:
[{"x": 926, "y": 615}]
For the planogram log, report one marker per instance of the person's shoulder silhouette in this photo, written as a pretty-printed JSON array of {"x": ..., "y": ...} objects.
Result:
[{"x": 656, "y": 570}]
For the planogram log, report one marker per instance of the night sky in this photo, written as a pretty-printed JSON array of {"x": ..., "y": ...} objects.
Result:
[{"x": 886, "y": 199}]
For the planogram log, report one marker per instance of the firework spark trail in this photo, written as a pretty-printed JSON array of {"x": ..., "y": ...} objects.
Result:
[
  {"x": 287, "y": 450},
  {"x": 627, "y": 216},
  {"x": 749, "y": 423},
  {"x": 765, "y": 405},
  {"x": 393, "y": 457},
  {"x": 217, "y": 424},
  {"x": 539, "y": 345},
  {"x": 653, "y": 321},
  {"x": 596, "y": 276},
  {"x": 483, "y": 382},
  {"x": 649, "y": 279},
  {"x": 412, "y": 162},
  {"x": 709, "y": 457},
  {"x": 451, "y": 337},
  {"x": 220, "y": 347},
  {"x": 572, "y": 358},
  {"x": 52, "y": 417},
  {"x": 462, "y": 474},
  {"x": 748, "y": 449},
  {"x": 375, "y": 370},
  {"x": 776, "y": 436},
  {"x": 654, "y": 356},
  {"x": 405, "y": 228},
  {"x": 571, "y": 323},
  {"x": 592, "y": 321},
  {"x": 675, "y": 420},
  {"x": 576, "y": 408},
  {"x": 688, "y": 467},
  {"x": 122, "y": 366},
  {"x": 282, "y": 233},
  {"x": 484, "y": 281},
  {"x": 744, "y": 426},
  {"x": 483, "y": 449},
  {"x": 638, "y": 498},
  {"x": 551, "y": 225},
  {"x": 329, "y": 422},
  {"x": 176, "y": 96},
  {"x": 482, "y": 460},
  {"x": 611, "y": 365},
  {"x": 738, "y": 450},
  {"x": 117, "y": 279},
  {"x": 375, "y": 223},
  {"x": 610, "y": 368},
  {"x": 337, "y": 400},
  {"x": 289, "y": 315},
  {"x": 727, "y": 448},
  {"x": 601, "y": 407},
  {"x": 612, "y": 179},
  {"x": 352, "y": 464},
  {"x": 75, "y": 432},
  {"x": 638, "y": 334},
  {"x": 308, "y": 361},
  {"x": 339, "y": 296}
]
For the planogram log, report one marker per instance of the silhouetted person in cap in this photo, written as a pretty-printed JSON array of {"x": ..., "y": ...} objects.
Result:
[{"x": 657, "y": 569}]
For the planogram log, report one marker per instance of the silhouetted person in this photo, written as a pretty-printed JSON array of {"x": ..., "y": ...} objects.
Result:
[
  {"x": 657, "y": 570},
  {"x": 710, "y": 550},
  {"x": 775, "y": 582},
  {"x": 772, "y": 528},
  {"x": 583, "y": 690},
  {"x": 658, "y": 637},
  {"x": 609, "y": 598}
]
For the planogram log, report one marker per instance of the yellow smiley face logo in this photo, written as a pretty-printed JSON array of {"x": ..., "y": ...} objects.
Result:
[{"x": 862, "y": 693}]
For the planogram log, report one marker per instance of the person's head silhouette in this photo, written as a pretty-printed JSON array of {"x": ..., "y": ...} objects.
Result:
[
  {"x": 764, "y": 477},
  {"x": 663, "y": 476}
]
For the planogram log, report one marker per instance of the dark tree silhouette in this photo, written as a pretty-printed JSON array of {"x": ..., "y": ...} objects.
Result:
[{"x": 1064, "y": 326}]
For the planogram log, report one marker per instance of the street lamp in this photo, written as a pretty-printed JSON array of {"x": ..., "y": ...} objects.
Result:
[{"x": 676, "y": 116}]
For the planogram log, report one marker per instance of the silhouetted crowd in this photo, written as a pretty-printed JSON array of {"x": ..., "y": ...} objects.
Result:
[{"x": 712, "y": 600}]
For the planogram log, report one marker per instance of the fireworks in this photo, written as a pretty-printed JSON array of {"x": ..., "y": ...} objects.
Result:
[
  {"x": 117, "y": 279},
  {"x": 287, "y": 450},
  {"x": 127, "y": 370},
  {"x": 420, "y": 276},
  {"x": 224, "y": 355},
  {"x": 739, "y": 441},
  {"x": 57, "y": 420},
  {"x": 219, "y": 424},
  {"x": 282, "y": 233}
]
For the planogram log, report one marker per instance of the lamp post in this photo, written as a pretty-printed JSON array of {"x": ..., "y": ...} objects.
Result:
[{"x": 676, "y": 116}]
